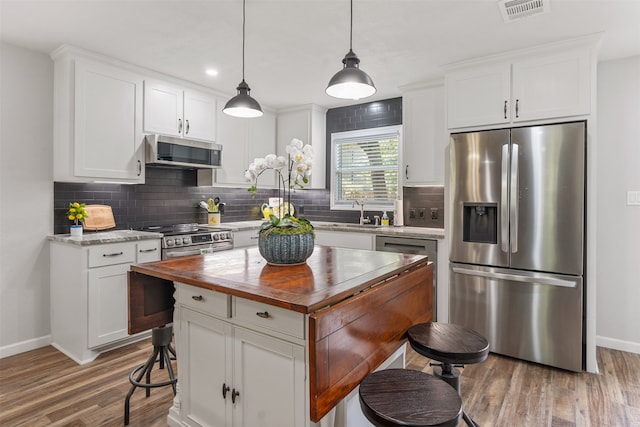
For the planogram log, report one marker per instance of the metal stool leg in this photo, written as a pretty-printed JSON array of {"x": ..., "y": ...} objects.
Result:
[
  {"x": 161, "y": 340},
  {"x": 451, "y": 374}
]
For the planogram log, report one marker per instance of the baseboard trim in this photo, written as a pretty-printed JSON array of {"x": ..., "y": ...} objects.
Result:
[
  {"x": 616, "y": 344},
  {"x": 21, "y": 347}
]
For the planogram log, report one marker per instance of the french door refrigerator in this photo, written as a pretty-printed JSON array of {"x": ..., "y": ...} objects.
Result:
[{"x": 518, "y": 239}]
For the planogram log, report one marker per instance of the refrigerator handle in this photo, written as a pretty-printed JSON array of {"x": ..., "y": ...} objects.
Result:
[
  {"x": 546, "y": 280},
  {"x": 504, "y": 201},
  {"x": 514, "y": 205}
]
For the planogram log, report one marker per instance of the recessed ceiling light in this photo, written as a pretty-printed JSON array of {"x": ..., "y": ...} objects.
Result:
[{"x": 211, "y": 72}]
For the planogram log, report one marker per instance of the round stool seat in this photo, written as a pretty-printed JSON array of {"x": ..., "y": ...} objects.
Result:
[
  {"x": 448, "y": 343},
  {"x": 404, "y": 397}
]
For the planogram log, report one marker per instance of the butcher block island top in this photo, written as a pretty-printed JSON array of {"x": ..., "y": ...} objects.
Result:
[
  {"x": 341, "y": 315},
  {"x": 330, "y": 275}
]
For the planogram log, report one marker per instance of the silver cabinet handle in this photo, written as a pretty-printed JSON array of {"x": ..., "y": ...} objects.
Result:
[
  {"x": 505, "y": 109},
  {"x": 187, "y": 128},
  {"x": 113, "y": 254},
  {"x": 263, "y": 314},
  {"x": 139, "y": 168},
  {"x": 517, "y": 107},
  {"x": 179, "y": 125},
  {"x": 197, "y": 297},
  {"x": 147, "y": 250}
]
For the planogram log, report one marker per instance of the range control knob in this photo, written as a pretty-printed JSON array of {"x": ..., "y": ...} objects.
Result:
[
  {"x": 185, "y": 241},
  {"x": 178, "y": 241},
  {"x": 216, "y": 237},
  {"x": 169, "y": 242}
]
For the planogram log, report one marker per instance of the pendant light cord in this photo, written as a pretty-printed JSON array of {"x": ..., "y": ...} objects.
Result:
[
  {"x": 243, "y": 32},
  {"x": 351, "y": 29}
]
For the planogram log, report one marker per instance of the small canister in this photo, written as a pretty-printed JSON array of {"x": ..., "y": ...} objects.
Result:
[{"x": 214, "y": 218}]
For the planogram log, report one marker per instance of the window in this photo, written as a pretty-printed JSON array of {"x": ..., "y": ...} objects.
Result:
[{"x": 364, "y": 166}]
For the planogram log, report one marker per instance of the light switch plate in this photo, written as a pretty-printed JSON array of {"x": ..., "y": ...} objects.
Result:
[{"x": 633, "y": 198}]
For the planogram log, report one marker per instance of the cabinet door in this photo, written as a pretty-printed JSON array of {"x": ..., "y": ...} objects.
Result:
[
  {"x": 107, "y": 131},
  {"x": 552, "y": 86},
  {"x": 245, "y": 238},
  {"x": 345, "y": 239},
  {"x": 199, "y": 116},
  {"x": 244, "y": 140},
  {"x": 107, "y": 305},
  {"x": 148, "y": 250},
  {"x": 478, "y": 96},
  {"x": 269, "y": 375},
  {"x": 204, "y": 368},
  {"x": 163, "y": 107},
  {"x": 424, "y": 136}
]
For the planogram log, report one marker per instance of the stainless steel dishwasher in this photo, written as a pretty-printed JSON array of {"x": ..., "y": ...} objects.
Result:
[{"x": 413, "y": 245}]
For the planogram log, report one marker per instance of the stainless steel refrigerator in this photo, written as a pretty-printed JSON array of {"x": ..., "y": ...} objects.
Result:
[{"x": 517, "y": 240}]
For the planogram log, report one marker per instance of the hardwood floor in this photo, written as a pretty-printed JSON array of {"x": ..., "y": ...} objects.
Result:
[{"x": 45, "y": 388}]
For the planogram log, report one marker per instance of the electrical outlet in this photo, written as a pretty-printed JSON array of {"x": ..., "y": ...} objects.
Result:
[
  {"x": 422, "y": 213},
  {"x": 412, "y": 214},
  {"x": 434, "y": 213},
  {"x": 301, "y": 209}
]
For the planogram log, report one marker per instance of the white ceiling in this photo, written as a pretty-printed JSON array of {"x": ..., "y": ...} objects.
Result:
[{"x": 293, "y": 47}]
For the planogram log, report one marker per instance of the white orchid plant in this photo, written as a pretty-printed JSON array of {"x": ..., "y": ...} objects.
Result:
[{"x": 297, "y": 166}]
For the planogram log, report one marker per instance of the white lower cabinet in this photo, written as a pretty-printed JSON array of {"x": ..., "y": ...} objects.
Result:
[
  {"x": 89, "y": 294},
  {"x": 230, "y": 375},
  {"x": 345, "y": 239},
  {"x": 245, "y": 238}
]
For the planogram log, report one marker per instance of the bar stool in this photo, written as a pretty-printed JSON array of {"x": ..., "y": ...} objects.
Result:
[
  {"x": 161, "y": 340},
  {"x": 452, "y": 345},
  {"x": 405, "y": 397}
]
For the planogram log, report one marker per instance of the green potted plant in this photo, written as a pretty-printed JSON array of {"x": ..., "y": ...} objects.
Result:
[
  {"x": 285, "y": 239},
  {"x": 77, "y": 214}
]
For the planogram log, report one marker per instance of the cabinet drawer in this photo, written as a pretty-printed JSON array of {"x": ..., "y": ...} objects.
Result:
[
  {"x": 116, "y": 253},
  {"x": 148, "y": 250},
  {"x": 204, "y": 300},
  {"x": 270, "y": 317}
]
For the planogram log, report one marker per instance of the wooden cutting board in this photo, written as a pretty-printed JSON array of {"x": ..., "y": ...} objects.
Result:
[{"x": 100, "y": 217}]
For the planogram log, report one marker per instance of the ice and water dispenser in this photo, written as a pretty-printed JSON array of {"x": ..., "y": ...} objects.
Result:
[{"x": 480, "y": 222}]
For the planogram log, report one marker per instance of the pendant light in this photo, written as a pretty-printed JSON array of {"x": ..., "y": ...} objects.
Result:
[
  {"x": 243, "y": 105},
  {"x": 351, "y": 82}
]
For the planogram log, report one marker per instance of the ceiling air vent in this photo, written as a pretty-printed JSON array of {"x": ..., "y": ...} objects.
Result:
[{"x": 513, "y": 10}]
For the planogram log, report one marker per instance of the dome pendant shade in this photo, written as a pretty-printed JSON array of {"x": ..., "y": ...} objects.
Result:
[
  {"x": 351, "y": 82},
  {"x": 243, "y": 105}
]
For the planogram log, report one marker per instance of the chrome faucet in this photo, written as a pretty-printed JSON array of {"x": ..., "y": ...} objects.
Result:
[{"x": 363, "y": 220}]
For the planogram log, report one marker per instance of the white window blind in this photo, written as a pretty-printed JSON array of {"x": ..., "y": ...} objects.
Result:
[{"x": 366, "y": 167}]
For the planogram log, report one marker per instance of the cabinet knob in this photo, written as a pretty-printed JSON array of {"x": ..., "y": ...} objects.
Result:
[
  {"x": 263, "y": 314},
  {"x": 197, "y": 297},
  {"x": 225, "y": 389},
  {"x": 235, "y": 393}
]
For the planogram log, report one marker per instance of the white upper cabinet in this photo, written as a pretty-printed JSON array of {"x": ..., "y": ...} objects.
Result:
[
  {"x": 242, "y": 139},
  {"x": 175, "y": 111},
  {"x": 549, "y": 82},
  {"x": 424, "y": 136},
  {"x": 307, "y": 124},
  {"x": 97, "y": 120},
  {"x": 478, "y": 96}
]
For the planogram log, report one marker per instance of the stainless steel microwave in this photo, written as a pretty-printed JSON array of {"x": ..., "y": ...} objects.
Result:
[{"x": 185, "y": 153}]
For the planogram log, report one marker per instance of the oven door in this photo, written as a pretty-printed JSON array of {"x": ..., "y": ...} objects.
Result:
[{"x": 186, "y": 251}]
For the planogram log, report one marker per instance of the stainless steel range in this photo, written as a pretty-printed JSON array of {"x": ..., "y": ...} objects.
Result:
[{"x": 192, "y": 239}]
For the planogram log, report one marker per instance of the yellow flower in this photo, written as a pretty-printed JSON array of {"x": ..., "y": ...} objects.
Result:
[
  {"x": 76, "y": 204},
  {"x": 79, "y": 216},
  {"x": 72, "y": 217},
  {"x": 72, "y": 209}
]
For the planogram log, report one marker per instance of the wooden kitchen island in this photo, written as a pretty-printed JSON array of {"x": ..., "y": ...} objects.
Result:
[{"x": 263, "y": 345}]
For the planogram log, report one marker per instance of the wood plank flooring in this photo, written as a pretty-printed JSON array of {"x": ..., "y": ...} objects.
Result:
[{"x": 45, "y": 388}]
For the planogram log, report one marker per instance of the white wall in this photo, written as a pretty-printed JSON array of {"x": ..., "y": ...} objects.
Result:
[
  {"x": 26, "y": 197},
  {"x": 618, "y": 235}
]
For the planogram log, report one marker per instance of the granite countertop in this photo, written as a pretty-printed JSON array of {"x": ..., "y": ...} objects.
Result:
[
  {"x": 403, "y": 231},
  {"x": 100, "y": 237}
]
